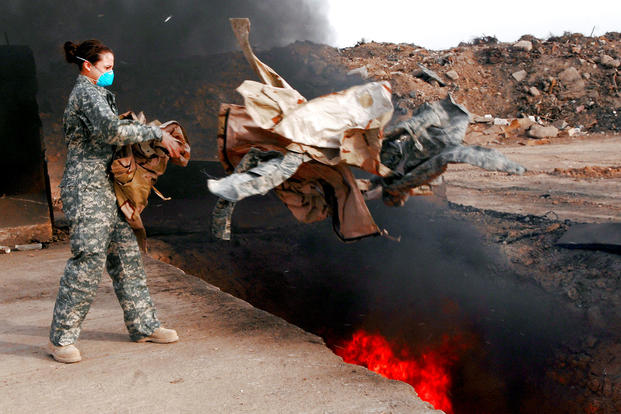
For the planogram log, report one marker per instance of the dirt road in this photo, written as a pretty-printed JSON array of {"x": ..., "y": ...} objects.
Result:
[
  {"x": 232, "y": 357},
  {"x": 577, "y": 192}
]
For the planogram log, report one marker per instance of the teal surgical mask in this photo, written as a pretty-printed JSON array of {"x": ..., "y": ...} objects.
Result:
[{"x": 105, "y": 79}]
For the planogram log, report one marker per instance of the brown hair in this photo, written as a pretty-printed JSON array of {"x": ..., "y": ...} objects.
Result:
[{"x": 88, "y": 49}]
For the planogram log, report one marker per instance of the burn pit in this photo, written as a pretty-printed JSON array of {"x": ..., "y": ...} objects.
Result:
[{"x": 506, "y": 341}]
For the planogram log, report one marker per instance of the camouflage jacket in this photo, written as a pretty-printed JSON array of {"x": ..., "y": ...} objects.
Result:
[{"x": 93, "y": 130}]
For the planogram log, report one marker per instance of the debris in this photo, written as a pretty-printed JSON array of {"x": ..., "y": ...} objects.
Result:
[
  {"x": 533, "y": 142},
  {"x": 168, "y": 18},
  {"x": 428, "y": 75},
  {"x": 5, "y": 250},
  {"x": 590, "y": 171},
  {"x": 362, "y": 71},
  {"x": 534, "y": 91},
  {"x": 573, "y": 131},
  {"x": 538, "y": 131},
  {"x": 500, "y": 121},
  {"x": 25, "y": 247},
  {"x": 560, "y": 124},
  {"x": 573, "y": 84},
  {"x": 518, "y": 126},
  {"x": 609, "y": 62},
  {"x": 520, "y": 75},
  {"x": 593, "y": 236},
  {"x": 486, "y": 119},
  {"x": 452, "y": 75},
  {"x": 525, "y": 45}
]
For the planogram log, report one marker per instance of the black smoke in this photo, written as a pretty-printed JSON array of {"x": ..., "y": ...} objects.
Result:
[{"x": 146, "y": 30}]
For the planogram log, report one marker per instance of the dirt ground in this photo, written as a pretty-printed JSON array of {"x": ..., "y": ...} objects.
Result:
[
  {"x": 231, "y": 357},
  {"x": 568, "y": 178}
]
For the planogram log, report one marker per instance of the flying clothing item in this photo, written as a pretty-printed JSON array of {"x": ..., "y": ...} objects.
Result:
[
  {"x": 330, "y": 134},
  {"x": 314, "y": 192},
  {"x": 99, "y": 235}
]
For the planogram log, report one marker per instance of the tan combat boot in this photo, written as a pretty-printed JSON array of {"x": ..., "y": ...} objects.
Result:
[
  {"x": 161, "y": 336},
  {"x": 67, "y": 354}
]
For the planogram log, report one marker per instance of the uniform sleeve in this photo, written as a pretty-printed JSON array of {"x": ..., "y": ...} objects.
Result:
[{"x": 105, "y": 126}]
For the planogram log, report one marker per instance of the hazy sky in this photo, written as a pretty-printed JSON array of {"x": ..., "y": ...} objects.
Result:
[{"x": 443, "y": 24}]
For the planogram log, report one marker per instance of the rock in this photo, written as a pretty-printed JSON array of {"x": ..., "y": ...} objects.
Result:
[
  {"x": 520, "y": 75},
  {"x": 518, "y": 127},
  {"x": 573, "y": 84},
  {"x": 362, "y": 71},
  {"x": 493, "y": 130},
  {"x": 586, "y": 75},
  {"x": 452, "y": 75},
  {"x": 25, "y": 247},
  {"x": 487, "y": 119},
  {"x": 538, "y": 131},
  {"x": 427, "y": 75},
  {"x": 413, "y": 94},
  {"x": 534, "y": 91},
  {"x": 609, "y": 62},
  {"x": 560, "y": 124},
  {"x": 523, "y": 45},
  {"x": 569, "y": 75}
]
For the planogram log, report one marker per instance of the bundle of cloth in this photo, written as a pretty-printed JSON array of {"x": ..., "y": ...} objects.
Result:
[
  {"x": 136, "y": 167},
  {"x": 304, "y": 149}
]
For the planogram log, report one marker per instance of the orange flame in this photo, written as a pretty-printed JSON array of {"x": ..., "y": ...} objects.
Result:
[{"x": 427, "y": 373}]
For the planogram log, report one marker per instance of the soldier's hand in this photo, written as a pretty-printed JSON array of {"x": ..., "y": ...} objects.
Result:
[{"x": 171, "y": 144}]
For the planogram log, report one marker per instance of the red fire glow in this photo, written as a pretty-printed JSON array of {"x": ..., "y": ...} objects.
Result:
[{"x": 428, "y": 373}]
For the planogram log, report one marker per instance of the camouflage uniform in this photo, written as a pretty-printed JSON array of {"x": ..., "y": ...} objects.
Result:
[{"x": 99, "y": 234}]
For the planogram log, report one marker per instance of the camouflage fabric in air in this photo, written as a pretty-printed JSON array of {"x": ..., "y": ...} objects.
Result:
[
  {"x": 257, "y": 173},
  {"x": 99, "y": 236},
  {"x": 419, "y": 149}
]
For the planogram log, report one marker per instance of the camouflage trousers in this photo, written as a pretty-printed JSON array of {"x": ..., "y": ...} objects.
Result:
[{"x": 100, "y": 238}]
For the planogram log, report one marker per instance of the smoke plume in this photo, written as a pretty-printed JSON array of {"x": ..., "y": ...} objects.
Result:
[{"x": 158, "y": 29}]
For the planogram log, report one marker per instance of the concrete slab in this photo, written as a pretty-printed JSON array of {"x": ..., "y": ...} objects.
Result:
[{"x": 231, "y": 357}]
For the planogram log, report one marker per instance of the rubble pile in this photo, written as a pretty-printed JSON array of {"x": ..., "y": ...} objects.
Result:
[{"x": 565, "y": 85}]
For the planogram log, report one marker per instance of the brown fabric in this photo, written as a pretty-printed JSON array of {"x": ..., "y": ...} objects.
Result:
[
  {"x": 135, "y": 169},
  {"x": 315, "y": 192}
]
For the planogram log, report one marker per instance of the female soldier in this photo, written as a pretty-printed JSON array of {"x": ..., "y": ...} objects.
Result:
[{"x": 99, "y": 235}]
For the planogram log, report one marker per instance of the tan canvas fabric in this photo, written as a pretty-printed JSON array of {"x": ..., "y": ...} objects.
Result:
[
  {"x": 315, "y": 191},
  {"x": 135, "y": 169}
]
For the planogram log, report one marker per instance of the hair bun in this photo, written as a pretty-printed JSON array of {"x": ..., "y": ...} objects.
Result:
[{"x": 70, "y": 50}]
